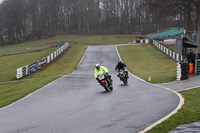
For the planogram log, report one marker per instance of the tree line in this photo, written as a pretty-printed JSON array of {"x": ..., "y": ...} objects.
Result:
[{"x": 22, "y": 20}]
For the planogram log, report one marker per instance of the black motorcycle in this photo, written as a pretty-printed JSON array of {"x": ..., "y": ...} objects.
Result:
[
  {"x": 105, "y": 81},
  {"x": 122, "y": 75}
]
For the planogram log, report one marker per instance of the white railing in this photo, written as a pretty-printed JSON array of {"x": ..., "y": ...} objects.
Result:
[
  {"x": 26, "y": 70},
  {"x": 168, "y": 52}
]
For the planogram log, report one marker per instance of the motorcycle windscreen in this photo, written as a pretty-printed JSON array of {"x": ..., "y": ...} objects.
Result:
[{"x": 100, "y": 75}]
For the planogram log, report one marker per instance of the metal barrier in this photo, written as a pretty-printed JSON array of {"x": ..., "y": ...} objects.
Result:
[{"x": 197, "y": 66}]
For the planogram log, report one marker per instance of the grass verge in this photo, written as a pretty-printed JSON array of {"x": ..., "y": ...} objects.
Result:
[
  {"x": 97, "y": 39},
  {"x": 12, "y": 92},
  {"x": 10, "y": 64},
  {"x": 189, "y": 113},
  {"x": 145, "y": 60},
  {"x": 64, "y": 65}
]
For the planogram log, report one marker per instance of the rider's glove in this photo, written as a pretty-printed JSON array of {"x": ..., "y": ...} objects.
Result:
[{"x": 98, "y": 80}]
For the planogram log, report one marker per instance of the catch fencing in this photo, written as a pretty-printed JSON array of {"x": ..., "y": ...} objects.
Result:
[{"x": 26, "y": 70}]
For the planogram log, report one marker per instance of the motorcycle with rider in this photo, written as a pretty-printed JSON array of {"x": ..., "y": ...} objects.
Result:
[
  {"x": 122, "y": 72},
  {"x": 102, "y": 76}
]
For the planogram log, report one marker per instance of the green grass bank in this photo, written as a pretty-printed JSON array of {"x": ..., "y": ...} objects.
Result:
[{"x": 146, "y": 60}]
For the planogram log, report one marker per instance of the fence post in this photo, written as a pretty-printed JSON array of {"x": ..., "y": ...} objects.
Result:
[
  {"x": 167, "y": 51},
  {"x": 178, "y": 75},
  {"x": 177, "y": 57},
  {"x": 174, "y": 55}
]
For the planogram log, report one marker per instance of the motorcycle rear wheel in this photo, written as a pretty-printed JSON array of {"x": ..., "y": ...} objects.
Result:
[{"x": 124, "y": 81}]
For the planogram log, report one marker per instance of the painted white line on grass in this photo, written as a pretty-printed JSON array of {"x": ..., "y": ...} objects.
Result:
[{"x": 181, "y": 102}]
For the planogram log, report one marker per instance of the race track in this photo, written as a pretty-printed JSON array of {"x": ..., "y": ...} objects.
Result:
[{"x": 76, "y": 103}]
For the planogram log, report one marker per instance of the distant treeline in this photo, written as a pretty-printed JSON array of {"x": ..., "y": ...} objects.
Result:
[{"x": 22, "y": 20}]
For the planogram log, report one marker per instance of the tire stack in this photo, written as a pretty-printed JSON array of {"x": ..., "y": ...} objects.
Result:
[{"x": 184, "y": 71}]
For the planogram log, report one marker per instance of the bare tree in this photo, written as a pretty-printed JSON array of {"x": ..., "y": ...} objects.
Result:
[{"x": 27, "y": 19}]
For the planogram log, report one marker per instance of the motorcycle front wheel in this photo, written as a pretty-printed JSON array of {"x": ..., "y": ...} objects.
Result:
[{"x": 106, "y": 87}]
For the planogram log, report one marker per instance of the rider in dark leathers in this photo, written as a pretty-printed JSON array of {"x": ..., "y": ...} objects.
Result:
[{"x": 121, "y": 66}]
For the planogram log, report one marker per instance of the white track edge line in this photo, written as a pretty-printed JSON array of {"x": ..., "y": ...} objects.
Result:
[
  {"x": 181, "y": 102},
  {"x": 82, "y": 57},
  {"x": 40, "y": 88}
]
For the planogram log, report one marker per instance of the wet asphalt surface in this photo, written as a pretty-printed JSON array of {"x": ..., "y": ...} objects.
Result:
[{"x": 76, "y": 103}]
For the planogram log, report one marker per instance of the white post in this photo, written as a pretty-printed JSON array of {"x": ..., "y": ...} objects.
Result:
[
  {"x": 177, "y": 57},
  {"x": 167, "y": 51},
  {"x": 174, "y": 55},
  {"x": 178, "y": 72}
]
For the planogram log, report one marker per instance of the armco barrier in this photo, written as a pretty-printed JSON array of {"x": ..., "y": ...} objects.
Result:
[{"x": 26, "y": 70}]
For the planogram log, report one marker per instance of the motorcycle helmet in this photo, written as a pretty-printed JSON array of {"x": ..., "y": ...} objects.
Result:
[
  {"x": 120, "y": 62},
  {"x": 97, "y": 66}
]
